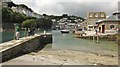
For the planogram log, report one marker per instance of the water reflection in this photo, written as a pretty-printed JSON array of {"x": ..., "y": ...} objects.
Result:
[
  {"x": 9, "y": 35},
  {"x": 68, "y": 41}
]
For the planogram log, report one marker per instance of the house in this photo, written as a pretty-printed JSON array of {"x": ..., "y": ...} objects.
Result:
[
  {"x": 92, "y": 17},
  {"x": 109, "y": 25},
  {"x": 72, "y": 25},
  {"x": 36, "y": 15},
  {"x": 26, "y": 11}
]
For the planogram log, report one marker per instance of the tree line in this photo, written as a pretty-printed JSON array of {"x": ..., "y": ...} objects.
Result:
[{"x": 8, "y": 16}]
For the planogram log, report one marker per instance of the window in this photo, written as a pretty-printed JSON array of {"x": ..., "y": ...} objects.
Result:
[
  {"x": 112, "y": 26},
  {"x": 90, "y": 26},
  {"x": 102, "y": 15},
  {"x": 96, "y": 15},
  {"x": 91, "y": 15}
]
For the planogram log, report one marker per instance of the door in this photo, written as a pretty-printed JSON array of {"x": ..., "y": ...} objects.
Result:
[
  {"x": 103, "y": 28},
  {"x": 100, "y": 29}
]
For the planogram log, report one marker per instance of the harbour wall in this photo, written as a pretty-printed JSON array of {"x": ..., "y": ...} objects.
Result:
[
  {"x": 101, "y": 37},
  {"x": 24, "y": 47}
]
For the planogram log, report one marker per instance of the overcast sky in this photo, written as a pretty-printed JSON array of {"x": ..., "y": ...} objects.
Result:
[{"x": 70, "y": 7}]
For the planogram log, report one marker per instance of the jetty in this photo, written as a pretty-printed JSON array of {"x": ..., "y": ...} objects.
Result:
[
  {"x": 14, "y": 48},
  {"x": 92, "y": 35}
]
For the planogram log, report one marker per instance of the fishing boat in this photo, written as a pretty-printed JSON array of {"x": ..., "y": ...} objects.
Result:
[{"x": 65, "y": 31}]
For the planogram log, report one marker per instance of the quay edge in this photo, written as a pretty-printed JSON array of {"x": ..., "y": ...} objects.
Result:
[{"x": 26, "y": 46}]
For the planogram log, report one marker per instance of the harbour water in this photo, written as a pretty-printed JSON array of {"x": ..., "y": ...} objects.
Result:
[
  {"x": 9, "y": 35},
  {"x": 68, "y": 41}
]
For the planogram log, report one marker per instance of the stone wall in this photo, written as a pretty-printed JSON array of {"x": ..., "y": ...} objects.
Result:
[
  {"x": 26, "y": 47},
  {"x": 102, "y": 37}
]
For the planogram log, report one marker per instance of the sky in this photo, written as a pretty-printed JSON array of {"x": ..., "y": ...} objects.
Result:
[{"x": 70, "y": 7}]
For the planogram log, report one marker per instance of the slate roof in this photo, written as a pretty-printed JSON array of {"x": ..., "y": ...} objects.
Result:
[{"x": 111, "y": 18}]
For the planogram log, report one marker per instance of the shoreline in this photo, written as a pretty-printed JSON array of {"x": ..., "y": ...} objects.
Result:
[
  {"x": 84, "y": 51},
  {"x": 63, "y": 57}
]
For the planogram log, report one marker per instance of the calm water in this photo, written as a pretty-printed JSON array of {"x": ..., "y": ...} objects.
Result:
[
  {"x": 68, "y": 41},
  {"x": 9, "y": 35}
]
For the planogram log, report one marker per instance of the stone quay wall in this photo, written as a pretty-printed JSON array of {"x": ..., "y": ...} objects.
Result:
[{"x": 25, "y": 47}]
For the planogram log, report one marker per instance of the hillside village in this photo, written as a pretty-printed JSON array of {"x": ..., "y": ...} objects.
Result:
[
  {"x": 104, "y": 23},
  {"x": 66, "y": 39}
]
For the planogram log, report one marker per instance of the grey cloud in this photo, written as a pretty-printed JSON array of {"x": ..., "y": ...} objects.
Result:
[
  {"x": 81, "y": 9},
  {"x": 72, "y": 8}
]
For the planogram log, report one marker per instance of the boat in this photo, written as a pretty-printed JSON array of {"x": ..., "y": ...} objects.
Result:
[
  {"x": 65, "y": 31},
  {"x": 79, "y": 33}
]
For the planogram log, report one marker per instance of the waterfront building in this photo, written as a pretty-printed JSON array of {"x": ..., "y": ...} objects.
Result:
[
  {"x": 92, "y": 17},
  {"x": 72, "y": 25},
  {"x": 110, "y": 24}
]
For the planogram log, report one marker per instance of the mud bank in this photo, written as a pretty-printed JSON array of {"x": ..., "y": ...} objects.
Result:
[{"x": 63, "y": 57}]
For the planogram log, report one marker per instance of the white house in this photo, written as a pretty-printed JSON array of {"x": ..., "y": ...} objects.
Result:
[{"x": 26, "y": 12}]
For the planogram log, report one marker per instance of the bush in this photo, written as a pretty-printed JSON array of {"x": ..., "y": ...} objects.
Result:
[
  {"x": 28, "y": 23},
  {"x": 44, "y": 23},
  {"x": 8, "y": 16}
]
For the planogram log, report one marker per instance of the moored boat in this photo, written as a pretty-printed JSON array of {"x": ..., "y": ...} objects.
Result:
[{"x": 65, "y": 31}]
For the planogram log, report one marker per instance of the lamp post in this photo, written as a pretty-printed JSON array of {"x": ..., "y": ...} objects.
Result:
[{"x": 14, "y": 30}]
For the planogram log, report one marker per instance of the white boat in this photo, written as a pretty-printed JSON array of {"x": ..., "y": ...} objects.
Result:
[{"x": 65, "y": 31}]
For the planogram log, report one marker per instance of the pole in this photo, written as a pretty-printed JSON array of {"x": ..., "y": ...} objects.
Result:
[
  {"x": 93, "y": 38},
  {"x": 14, "y": 31},
  {"x": 25, "y": 32},
  {"x": 97, "y": 39}
]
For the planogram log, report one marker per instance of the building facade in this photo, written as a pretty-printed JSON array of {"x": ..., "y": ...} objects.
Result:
[
  {"x": 109, "y": 25},
  {"x": 92, "y": 17}
]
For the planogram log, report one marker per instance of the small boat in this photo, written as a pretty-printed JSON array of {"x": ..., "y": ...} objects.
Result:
[{"x": 65, "y": 31}]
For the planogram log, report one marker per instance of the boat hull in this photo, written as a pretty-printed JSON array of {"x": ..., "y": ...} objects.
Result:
[{"x": 64, "y": 31}]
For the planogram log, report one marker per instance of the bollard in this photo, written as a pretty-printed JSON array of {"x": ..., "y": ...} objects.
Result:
[{"x": 44, "y": 32}]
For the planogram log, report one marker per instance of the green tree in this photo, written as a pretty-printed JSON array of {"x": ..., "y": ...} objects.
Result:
[
  {"x": 44, "y": 23},
  {"x": 44, "y": 14},
  {"x": 64, "y": 15},
  {"x": 8, "y": 16},
  {"x": 10, "y": 4},
  {"x": 28, "y": 23}
]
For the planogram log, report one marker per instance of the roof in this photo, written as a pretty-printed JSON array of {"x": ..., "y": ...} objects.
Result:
[
  {"x": 96, "y": 15},
  {"x": 111, "y": 18},
  {"x": 117, "y": 12}
]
